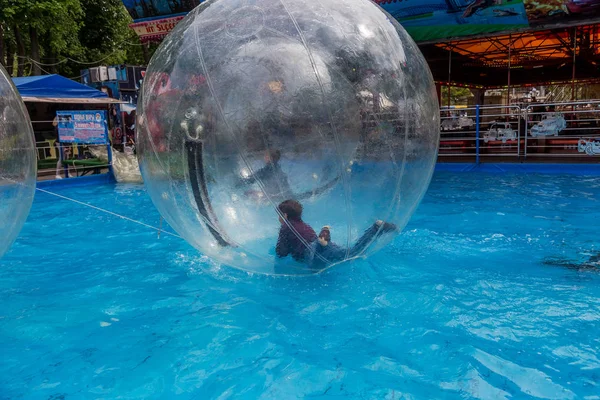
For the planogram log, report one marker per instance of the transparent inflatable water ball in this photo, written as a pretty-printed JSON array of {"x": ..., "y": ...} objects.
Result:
[
  {"x": 17, "y": 162},
  {"x": 247, "y": 104}
]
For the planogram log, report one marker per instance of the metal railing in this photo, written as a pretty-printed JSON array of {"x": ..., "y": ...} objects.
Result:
[
  {"x": 71, "y": 160},
  {"x": 567, "y": 130},
  {"x": 481, "y": 132},
  {"x": 500, "y": 131},
  {"x": 563, "y": 130},
  {"x": 458, "y": 132}
]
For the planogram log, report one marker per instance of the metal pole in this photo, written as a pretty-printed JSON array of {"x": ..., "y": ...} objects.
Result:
[
  {"x": 526, "y": 131},
  {"x": 573, "y": 97},
  {"x": 449, "y": 77},
  {"x": 520, "y": 114},
  {"x": 509, "y": 64},
  {"x": 477, "y": 134},
  {"x": 62, "y": 158}
]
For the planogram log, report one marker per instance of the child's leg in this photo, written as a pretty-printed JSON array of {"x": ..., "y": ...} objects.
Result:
[{"x": 374, "y": 231}]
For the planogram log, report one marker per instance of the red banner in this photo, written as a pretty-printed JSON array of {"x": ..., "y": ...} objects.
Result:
[{"x": 155, "y": 30}]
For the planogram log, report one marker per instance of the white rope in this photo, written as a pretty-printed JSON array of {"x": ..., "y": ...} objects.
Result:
[
  {"x": 109, "y": 212},
  {"x": 159, "y": 231}
]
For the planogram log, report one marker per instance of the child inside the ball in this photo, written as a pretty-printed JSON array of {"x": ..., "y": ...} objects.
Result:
[{"x": 298, "y": 239}]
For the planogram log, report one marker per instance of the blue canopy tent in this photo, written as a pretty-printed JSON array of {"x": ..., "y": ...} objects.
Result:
[
  {"x": 46, "y": 96},
  {"x": 58, "y": 89}
]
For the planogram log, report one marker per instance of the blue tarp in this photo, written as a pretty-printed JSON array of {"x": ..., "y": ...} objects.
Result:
[{"x": 55, "y": 86}]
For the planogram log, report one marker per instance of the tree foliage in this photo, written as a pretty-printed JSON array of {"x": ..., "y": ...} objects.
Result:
[
  {"x": 458, "y": 95},
  {"x": 65, "y": 36}
]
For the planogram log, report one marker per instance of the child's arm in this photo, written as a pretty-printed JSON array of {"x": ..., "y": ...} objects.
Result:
[{"x": 258, "y": 175}]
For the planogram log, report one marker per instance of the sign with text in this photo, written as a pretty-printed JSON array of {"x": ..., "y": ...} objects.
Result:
[
  {"x": 82, "y": 127},
  {"x": 155, "y": 29}
]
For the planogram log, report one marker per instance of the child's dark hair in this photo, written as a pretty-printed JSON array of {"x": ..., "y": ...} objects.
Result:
[
  {"x": 274, "y": 155},
  {"x": 292, "y": 209}
]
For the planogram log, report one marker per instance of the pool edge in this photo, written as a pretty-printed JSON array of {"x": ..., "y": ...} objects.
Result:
[
  {"x": 82, "y": 180},
  {"x": 573, "y": 169}
]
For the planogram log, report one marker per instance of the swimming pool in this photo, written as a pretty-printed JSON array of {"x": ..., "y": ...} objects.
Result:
[{"x": 465, "y": 303}]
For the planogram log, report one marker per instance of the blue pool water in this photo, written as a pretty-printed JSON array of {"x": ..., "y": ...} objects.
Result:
[{"x": 466, "y": 303}]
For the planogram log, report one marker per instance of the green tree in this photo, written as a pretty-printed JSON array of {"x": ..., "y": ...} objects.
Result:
[
  {"x": 65, "y": 36},
  {"x": 458, "y": 95},
  {"x": 56, "y": 21},
  {"x": 105, "y": 35}
]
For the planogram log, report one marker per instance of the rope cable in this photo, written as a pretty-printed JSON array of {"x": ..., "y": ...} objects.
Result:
[
  {"x": 109, "y": 212},
  {"x": 64, "y": 60}
]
